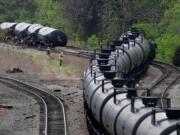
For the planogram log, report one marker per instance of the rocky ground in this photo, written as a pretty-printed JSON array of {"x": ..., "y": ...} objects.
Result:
[
  {"x": 152, "y": 76},
  {"x": 19, "y": 113},
  {"x": 175, "y": 94},
  {"x": 68, "y": 90}
]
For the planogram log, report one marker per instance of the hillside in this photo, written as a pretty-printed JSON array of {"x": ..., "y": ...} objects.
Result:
[{"x": 94, "y": 22}]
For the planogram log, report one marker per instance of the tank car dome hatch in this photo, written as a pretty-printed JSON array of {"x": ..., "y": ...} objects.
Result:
[
  {"x": 173, "y": 113},
  {"x": 105, "y": 67},
  {"x": 114, "y": 44},
  {"x": 132, "y": 37},
  {"x": 125, "y": 40},
  {"x": 118, "y": 82},
  {"x": 104, "y": 55},
  {"x": 102, "y": 61},
  {"x": 22, "y": 27},
  {"x": 34, "y": 28},
  {"x": 136, "y": 33},
  {"x": 150, "y": 101},
  {"x": 109, "y": 74},
  {"x": 7, "y": 25},
  {"x": 107, "y": 51},
  {"x": 56, "y": 37},
  {"x": 131, "y": 92}
]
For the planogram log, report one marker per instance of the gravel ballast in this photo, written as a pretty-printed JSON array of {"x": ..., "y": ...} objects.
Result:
[{"x": 19, "y": 113}]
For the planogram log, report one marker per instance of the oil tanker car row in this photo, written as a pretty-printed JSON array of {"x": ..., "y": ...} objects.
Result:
[
  {"x": 111, "y": 99},
  {"x": 34, "y": 34}
]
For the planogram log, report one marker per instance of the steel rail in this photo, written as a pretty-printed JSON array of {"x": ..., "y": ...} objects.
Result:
[{"x": 161, "y": 78}]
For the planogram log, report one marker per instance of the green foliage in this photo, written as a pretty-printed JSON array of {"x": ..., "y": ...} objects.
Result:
[
  {"x": 169, "y": 40},
  {"x": 50, "y": 13},
  {"x": 80, "y": 43},
  {"x": 15, "y": 10},
  {"x": 166, "y": 32},
  {"x": 147, "y": 10},
  {"x": 93, "y": 41},
  {"x": 166, "y": 47},
  {"x": 23, "y": 15},
  {"x": 46, "y": 12},
  {"x": 2, "y": 35},
  {"x": 50, "y": 64},
  {"x": 149, "y": 29}
]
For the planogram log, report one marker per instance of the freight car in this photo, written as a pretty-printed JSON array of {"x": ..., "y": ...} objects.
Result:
[
  {"x": 9, "y": 27},
  {"x": 36, "y": 34},
  {"x": 32, "y": 35},
  {"x": 21, "y": 31},
  {"x": 112, "y": 104},
  {"x": 52, "y": 37}
]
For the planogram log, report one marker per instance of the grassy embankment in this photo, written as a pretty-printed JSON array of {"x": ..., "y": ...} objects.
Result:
[
  {"x": 51, "y": 64},
  {"x": 48, "y": 64}
]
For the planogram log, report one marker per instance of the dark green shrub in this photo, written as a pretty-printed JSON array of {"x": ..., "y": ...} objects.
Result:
[
  {"x": 2, "y": 34},
  {"x": 93, "y": 41},
  {"x": 176, "y": 58}
]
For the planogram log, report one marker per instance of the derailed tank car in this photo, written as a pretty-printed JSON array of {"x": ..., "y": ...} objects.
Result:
[
  {"x": 52, "y": 37},
  {"x": 32, "y": 35},
  {"x": 21, "y": 31},
  {"x": 7, "y": 25},
  {"x": 35, "y": 34},
  {"x": 9, "y": 28},
  {"x": 111, "y": 101}
]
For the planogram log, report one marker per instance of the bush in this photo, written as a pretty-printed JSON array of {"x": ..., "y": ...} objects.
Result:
[
  {"x": 150, "y": 30},
  {"x": 2, "y": 34},
  {"x": 93, "y": 41},
  {"x": 176, "y": 58},
  {"x": 79, "y": 42},
  {"x": 167, "y": 44}
]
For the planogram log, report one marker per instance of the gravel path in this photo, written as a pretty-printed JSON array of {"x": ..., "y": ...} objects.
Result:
[
  {"x": 150, "y": 77},
  {"x": 23, "y": 118},
  {"x": 175, "y": 94}
]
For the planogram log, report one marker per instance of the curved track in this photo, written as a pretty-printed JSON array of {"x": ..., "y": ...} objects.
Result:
[
  {"x": 52, "y": 117},
  {"x": 171, "y": 74}
]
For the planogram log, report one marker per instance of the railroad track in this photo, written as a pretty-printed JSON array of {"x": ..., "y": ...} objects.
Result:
[
  {"x": 171, "y": 74},
  {"x": 69, "y": 50},
  {"x": 76, "y": 52},
  {"x": 52, "y": 114}
]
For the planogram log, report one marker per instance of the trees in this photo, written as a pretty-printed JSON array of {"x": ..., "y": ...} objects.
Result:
[
  {"x": 16, "y": 10},
  {"x": 83, "y": 15},
  {"x": 107, "y": 19}
]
